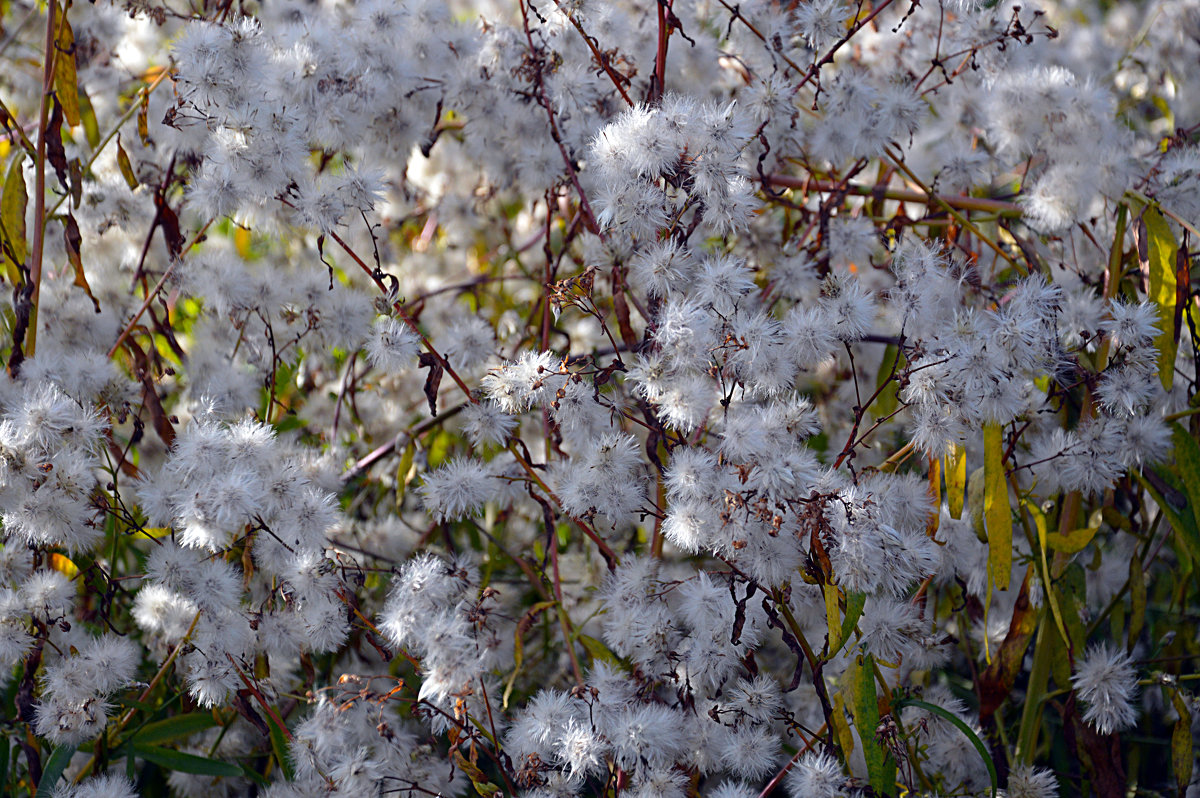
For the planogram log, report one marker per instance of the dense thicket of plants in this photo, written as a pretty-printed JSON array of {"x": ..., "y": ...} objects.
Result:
[{"x": 581, "y": 397}]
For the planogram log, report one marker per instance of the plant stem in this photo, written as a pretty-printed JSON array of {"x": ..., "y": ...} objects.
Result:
[{"x": 39, "y": 177}]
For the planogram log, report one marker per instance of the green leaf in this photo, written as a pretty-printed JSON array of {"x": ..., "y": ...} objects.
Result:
[
  {"x": 55, "y": 765},
  {"x": 854, "y": 610},
  {"x": 597, "y": 650},
  {"x": 866, "y": 718},
  {"x": 87, "y": 116},
  {"x": 1161, "y": 251},
  {"x": 887, "y": 400},
  {"x": 173, "y": 728},
  {"x": 4, "y": 751},
  {"x": 1137, "y": 598},
  {"x": 996, "y": 511},
  {"x": 280, "y": 748},
  {"x": 170, "y": 759},
  {"x": 958, "y": 723},
  {"x": 1187, "y": 458},
  {"x": 1187, "y": 537}
]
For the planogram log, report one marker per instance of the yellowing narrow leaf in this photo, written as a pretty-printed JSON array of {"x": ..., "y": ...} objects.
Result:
[
  {"x": 405, "y": 472},
  {"x": 1161, "y": 251},
  {"x": 935, "y": 490},
  {"x": 1182, "y": 749},
  {"x": 956, "y": 480},
  {"x": 126, "y": 166},
  {"x": 63, "y": 564},
  {"x": 65, "y": 80},
  {"x": 12, "y": 216},
  {"x": 87, "y": 115},
  {"x": 841, "y": 729},
  {"x": 143, "y": 125},
  {"x": 1073, "y": 541},
  {"x": 833, "y": 618},
  {"x": 997, "y": 514}
]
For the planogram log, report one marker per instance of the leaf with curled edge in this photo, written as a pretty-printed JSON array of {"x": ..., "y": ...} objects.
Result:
[
  {"x": 433, "y": 380},
  {"x": 73, "y": 239}
]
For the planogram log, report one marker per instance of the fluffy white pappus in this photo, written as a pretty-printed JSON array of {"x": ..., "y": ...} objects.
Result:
[
  {"x": 758, "y": 699},
  {"x": 1105, "y": 680},
  {"x": 645, "y": 733},
  {"x": 518, "y": 386},
  {"x": 540, "y": 725},
  {"x": 50, "y": 420},
  {"x": 857, "y": 559},
  {"x": 425, "y": 586},
  {"x": 661, "y": 268},
  {"x": 852, "y": 241},
  {"x": 48, "y": 595},
  {"x": 660, "y": 782},
  {"x": 468, "y": 342},
  {"x": 889, "y": 628},
  {"x": 458, "y": 489},
  {"x": 816, "y": 775},
  {"x": 1130, "y": 324},
  {"x": 325, "y": 620},
  {"x": 164, "y": 613},
  {"x": 810, "y": 335},
  {"x": 821, "y": 22},
  {"x": 102, "y": 666},
  {"x": 751, "y": 753},
  {"x": 688, "y": 526},
  {"x": 1147, "y": 439},
  {"x": 1126, "y": 389},
  {"x": 67, "y": 723},
  {"x": 1026, "y": 781},
  {"x": 486, "y": 423},
  {"x": 392, "y": 346},
  {"x": 1056, "y": 200},
  {"x": 733, "y": 789},
  {"x": 15, "y": 639},
  {"x": 214, "y": 586},
  {"x": 108, "y": 786}
]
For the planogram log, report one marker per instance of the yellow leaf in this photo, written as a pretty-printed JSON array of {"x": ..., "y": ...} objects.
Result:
[
  {"x": 841, "y": 728},
  {"x": 996, "y": 511},
  {"x": 1161, "y": 251},
  {"x": 65, "y": 80},
  {"x": 12, "y": 217},
  {"x": 63, "y": 565},
  {"x": 1073, "y": 541},
  {"x": 241, "y": 242},
  {"x": 87, "y": 115},
  {"x": 155, "y": 532},
  {"x": 833, "y": 617},
  {"x": 956, "y": 479},
  {"x": 125, "y": 166}
]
